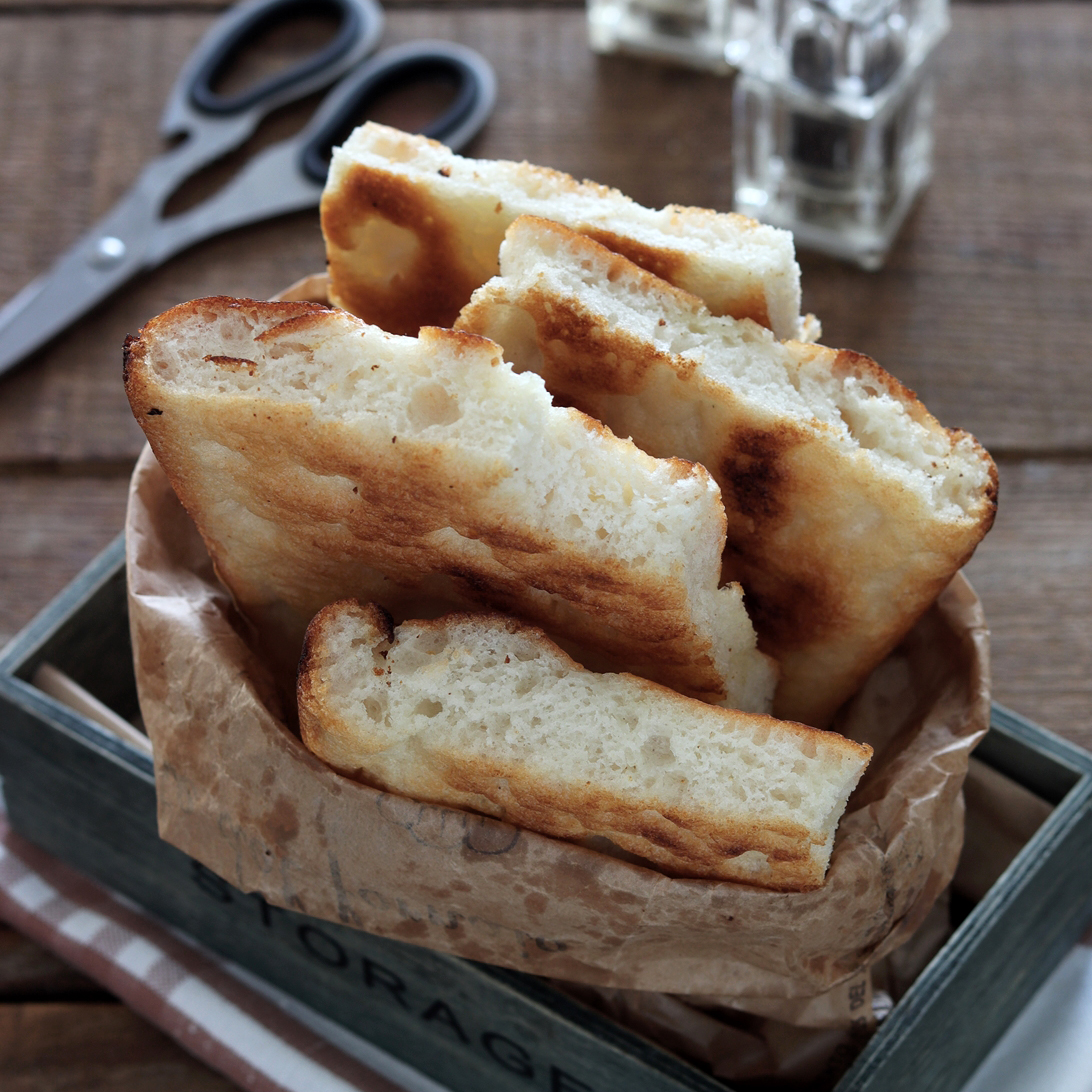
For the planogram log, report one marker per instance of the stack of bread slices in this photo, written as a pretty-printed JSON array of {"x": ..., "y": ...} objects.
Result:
[{"x": 559, "y": 528}]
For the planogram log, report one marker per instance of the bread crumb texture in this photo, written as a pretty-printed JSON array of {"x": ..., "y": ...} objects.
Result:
[
  {"x": 323, "y": 457},
  {"x": 486, "y": 713},
  {"x": 848, "y": 506},
  {"x": 412, "y": 229}
]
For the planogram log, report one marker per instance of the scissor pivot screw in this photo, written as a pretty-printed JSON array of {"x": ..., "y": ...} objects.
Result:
[{"x": 108, "y": 251}]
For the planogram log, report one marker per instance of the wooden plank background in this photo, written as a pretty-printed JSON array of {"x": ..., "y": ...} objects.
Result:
[{"x": 983, "y": 309}]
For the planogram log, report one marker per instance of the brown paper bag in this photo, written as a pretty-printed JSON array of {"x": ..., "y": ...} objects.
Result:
[{"x": 238, "y": 792}]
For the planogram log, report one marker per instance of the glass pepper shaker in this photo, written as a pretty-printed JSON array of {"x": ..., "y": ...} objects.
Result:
[
  {"x": 832, "y": 121},
  {"x": 707, "y": 34}
]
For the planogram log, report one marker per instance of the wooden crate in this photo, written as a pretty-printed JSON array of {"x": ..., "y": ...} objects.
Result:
[{"x": 89, "y": 799}]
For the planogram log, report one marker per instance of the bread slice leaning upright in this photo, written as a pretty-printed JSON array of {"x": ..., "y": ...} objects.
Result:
[
  {"x": 849, "y": 506},
  {"x": 412, "y": 229},
  {"x": 321, "y": 457},
  {"x": 485, "y": 713}
]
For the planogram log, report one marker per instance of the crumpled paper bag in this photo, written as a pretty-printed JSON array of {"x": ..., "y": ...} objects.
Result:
[{"x": 237, "y": 791}]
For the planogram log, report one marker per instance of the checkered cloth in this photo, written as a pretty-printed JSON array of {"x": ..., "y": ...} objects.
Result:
[{"x": 256, "y": 1036}]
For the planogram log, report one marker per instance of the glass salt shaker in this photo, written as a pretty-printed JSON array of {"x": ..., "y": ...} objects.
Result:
[
  {"x": 708, "y": 34},
  {"x": 832, "y": 120}
]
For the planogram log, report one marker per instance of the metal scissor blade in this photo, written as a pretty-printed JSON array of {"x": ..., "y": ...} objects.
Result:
[
  {"x": 114, "y": 250},
  {"x": 52, "y": 302},
  {"x": 104, "y": 259},
  {"x": 271, "y": 184}
]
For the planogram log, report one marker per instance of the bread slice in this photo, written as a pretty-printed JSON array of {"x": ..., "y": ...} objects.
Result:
[
  {"x": 412, "y": 229},
  {"x": 321, "y": 457},
  {"x": 483, "y": 712},
  {"x": 849, "y": 507}
]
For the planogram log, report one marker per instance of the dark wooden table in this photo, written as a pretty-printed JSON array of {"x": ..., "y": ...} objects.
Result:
[{"x": 983, "y": 309}]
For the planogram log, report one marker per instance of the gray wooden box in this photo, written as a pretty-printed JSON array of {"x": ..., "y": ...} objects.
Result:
[{"x": 89, "y": 799}]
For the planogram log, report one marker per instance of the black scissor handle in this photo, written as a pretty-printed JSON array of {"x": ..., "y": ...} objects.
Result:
[
  {"x": 360, "y": 26},
  {"x": 398, "y": 66}
]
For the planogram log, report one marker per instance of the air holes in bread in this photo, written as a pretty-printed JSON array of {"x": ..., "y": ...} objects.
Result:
[{"x": 431, "y": 404}]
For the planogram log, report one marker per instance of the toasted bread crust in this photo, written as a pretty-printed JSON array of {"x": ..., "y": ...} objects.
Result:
[
  {"x": 300, "y": 506},
  {"x": 412, "y": 229},
  {"x": 837, "y": 553},
  {"x": 536, "y": 789},
  {"x": 431, "y": 288},
  {"x": 748, "y": 302}
]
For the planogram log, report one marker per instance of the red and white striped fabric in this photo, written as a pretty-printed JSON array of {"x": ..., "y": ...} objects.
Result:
[{"x": 257, "y": 1037}]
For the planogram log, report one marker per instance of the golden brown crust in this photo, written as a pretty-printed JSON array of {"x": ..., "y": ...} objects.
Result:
[
  {"x": 316, "y": 515},
  {"x": 406, "y": 248},
  {"x": 680, "y": 840},
  {"x": 837, "y": 561},
  {"x": 433, "y": 286},
  {"x": 672, "y": 266}
]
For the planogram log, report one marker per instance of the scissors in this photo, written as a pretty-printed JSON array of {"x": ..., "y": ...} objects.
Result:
[{"x": 286, "y": 177}]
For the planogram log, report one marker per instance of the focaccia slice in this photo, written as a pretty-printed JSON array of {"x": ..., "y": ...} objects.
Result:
[
  {"x": 849, "y": 507},
  {"x": 321, "y": 457},
  {"x": 412, "y": 229},
  {"x": 485, "y": 713}
]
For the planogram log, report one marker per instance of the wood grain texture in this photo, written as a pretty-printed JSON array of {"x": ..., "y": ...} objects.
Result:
[
  {"x": 53, "y": 525},
  {"x": 981, "y": 308},
  {"x": 29, "y": 973},
  {"x": 1033, "y": 573},
  {"x": 79, "y": 1047}
]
